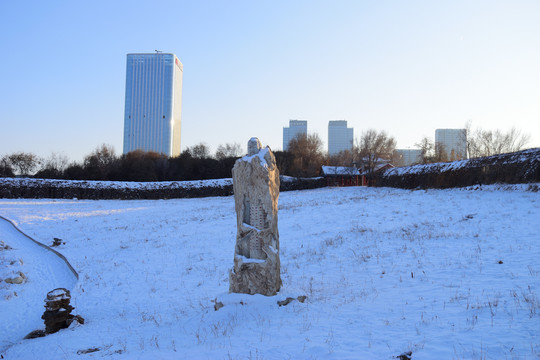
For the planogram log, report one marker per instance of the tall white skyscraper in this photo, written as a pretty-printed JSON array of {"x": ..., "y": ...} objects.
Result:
[
  {"x": 153, "y": 108},
  {"x": 454, "y": 142},
  {"x": 340, "y": 137},
  {"x": 295, "y": 128}
]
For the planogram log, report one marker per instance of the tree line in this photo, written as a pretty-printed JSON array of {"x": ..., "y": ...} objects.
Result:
[
  {"x": 304, "y": 158},
  {"x": 103, "y": 164}
]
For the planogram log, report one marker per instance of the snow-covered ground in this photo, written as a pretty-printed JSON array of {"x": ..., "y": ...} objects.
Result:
[{"x": 446, "y": 274}]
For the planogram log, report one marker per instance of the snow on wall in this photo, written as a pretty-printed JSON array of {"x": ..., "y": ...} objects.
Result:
[
  {"x": 82, "y": 189},
  {"x": 518, "y": 167}
]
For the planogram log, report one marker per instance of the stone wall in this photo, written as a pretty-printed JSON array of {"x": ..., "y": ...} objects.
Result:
[
  {"x": 27, "y": 188},
  {"x": 512, "y": 168}
]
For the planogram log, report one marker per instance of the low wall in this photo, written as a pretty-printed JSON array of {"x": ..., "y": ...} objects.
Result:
[
  {"x": 512, "y": 168},
  {"x": 17, "y": 188}
]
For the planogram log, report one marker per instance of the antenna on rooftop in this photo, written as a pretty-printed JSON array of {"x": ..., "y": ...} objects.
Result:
[{"x": 158, "y": 51}]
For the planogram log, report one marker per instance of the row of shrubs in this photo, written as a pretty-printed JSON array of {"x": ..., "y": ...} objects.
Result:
[
  {"x": 13, "y": 188},
  {"x": 512, "y": 168}
]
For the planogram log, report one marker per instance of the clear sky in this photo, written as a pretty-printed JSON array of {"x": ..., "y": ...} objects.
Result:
[{"x": 407, "y": 67}]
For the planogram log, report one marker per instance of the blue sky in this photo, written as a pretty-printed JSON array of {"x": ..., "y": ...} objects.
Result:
[{"x": 407, "y": 67}]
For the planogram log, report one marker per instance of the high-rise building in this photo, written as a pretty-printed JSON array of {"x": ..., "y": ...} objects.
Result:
[
  {"x": 153, "y": 108},
  {"x": 406, "y": 157},
  {"x": 296, "y": 127},
  {"x": 340, "y": 137},
  {"x": 453, "y": 141}
]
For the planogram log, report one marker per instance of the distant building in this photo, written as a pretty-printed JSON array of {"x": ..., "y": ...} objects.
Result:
[
  {"x": 153, "y": 107},
  {"x": 453, "y": 141},
  {"x": 342, "y": 176},
  {"x": 340, "y": 137},
  {"x": 296, "y": 127},
  {"x": 407, "y": 157}
]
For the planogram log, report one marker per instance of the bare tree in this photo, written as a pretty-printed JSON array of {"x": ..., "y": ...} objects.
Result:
[
  {"x": 24, "y": 163},
  {"x": 5, "y": 167},
  {"x": 375, "y": 146},
  {"x": 440, "y": 154},
  {"x": 100, "y": 162},
  {"x": 199, "y": 151},
  {"x": 427, "y": 148},
  {"x": 343, "y": 158},
  {"x": 53, "y": 166},
  {"x": 431, "y": 151},
  {"x": 228, "y": 150},
  {"x": 487, "y": 142},
  {"x": 307, "y": 155}
]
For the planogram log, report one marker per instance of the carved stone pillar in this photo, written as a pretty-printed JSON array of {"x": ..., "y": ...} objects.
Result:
[{"x": 256, "y": 192}]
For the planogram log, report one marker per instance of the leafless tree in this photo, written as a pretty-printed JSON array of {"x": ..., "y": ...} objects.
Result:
[
  {"x": 100, "y": 162},
  {"x": 57, "y": 162},
  {"x": 307, "y": 155},
  {"x": 228, "y": 150},
  {"x": 53, "y": 167},
  {"x": 431, "y": 151},
  {"x": 488, "y": 142},
  {"x": 5, "y": 167},
  {"x": 440, "y": 154},
  {"x": 343, "y": 158},
  {"x": 199, "y": 151},
  {"x": 375, "y": 146},
  {"x": 427, "y": 148},
  {"x": 24, "y": 163}
]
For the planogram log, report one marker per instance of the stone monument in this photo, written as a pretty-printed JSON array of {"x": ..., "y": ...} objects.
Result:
[
  {"x": 57, "y": 313},
  {"x": 256, "y": 193}
]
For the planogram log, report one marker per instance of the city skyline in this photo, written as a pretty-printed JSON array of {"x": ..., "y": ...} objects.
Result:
[{"x": 406, "y": 67}]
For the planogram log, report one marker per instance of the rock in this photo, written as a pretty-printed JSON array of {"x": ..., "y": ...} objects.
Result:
[
  {"x": 218, "y": 305},
  {"x": 57, "y": 242},
  {"x": 78, "y": 319},
  {"x": 254, "y": 145},
  {"x": 405, "y": 356},
  {"x": 16, "y": 280},
  {"x": 285, "y": 302},
  {"x": 288, "y": 300},
  {"x": 87, "y": 351},
  {"x": 35, "y": 334},
  {"x": 256, "y": 191},
  {"x": 57, "y": 313}
]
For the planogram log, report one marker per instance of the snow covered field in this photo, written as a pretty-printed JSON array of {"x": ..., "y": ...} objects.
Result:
[{"x": 446, "y": 274}]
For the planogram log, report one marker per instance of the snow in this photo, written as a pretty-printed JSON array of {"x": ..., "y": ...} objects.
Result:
[
  {"x": 340, "y": 170},
  {"x": 527, "y": 157},
  {"x": 132, "y": 185},
  {"x": 248, "y": 260},
  {"x": 22, "y": 305},
  {"x": 259, "y": 155},
  {"x": 422, "y": 168},
  {"x": 442, "y": 273}
]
